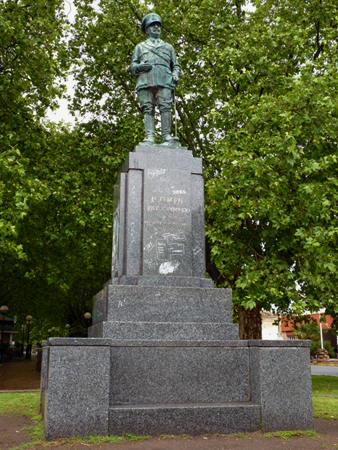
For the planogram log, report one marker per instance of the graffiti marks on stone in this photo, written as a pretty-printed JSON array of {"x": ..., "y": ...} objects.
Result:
[
  {"x": 152, "y": 173},
  {"x": 196, "y": 250},
  {"x": 151, "y": 264},
  {"x": 168, "y": 267},
  {"x": 148, "y": 248},
  {"x": 171, "y": 246}
]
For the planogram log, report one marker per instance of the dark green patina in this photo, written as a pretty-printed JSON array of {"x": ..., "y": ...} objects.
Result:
[{"x": 155, "y": 64}]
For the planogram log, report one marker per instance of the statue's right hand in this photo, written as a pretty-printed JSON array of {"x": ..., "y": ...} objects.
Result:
[{"x": 144, "y": 67}]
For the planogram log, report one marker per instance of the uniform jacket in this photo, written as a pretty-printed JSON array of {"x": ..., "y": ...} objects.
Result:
[{"x": 163, "y": 59}]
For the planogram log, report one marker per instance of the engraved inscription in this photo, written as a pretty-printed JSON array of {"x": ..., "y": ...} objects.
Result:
[
  {"x": 179, "y": 210},
  {"x": 152, "y": 208},
  {"x": 173, "y": 200},
  {"x": 173, "y": 209}
]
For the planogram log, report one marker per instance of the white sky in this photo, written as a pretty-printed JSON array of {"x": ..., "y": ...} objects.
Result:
[{"x": 62, "y": 112}]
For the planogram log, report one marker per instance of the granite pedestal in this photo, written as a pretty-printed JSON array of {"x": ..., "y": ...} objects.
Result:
[{"x": 163, "y": 356}]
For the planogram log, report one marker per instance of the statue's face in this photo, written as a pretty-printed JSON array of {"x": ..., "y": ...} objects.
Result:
[{"x": 154, "y": 30}]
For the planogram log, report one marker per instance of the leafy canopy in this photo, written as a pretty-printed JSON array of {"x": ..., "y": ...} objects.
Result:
[{"x": 257, "y": 100}]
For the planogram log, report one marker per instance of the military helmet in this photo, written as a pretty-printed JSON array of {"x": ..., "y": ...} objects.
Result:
[{"x": 149, "y": 19}]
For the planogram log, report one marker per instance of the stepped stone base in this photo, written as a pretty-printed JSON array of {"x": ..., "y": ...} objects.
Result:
[
  {"x": 96, "y": 386},
  {"x": 163, "y": 313},
  {"x": 164, "y": 356},
  {"x": 162, "y": 304},
  {"x": 180, "y": 419},
  {"x": 142, "y": 280},
  {"x": 166, "y": 331}
]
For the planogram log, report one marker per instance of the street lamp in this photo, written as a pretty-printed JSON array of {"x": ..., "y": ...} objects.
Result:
[
  {"x": 29, "y": 320},
  {"x": 3, "y": 310},
  {"x": 321, "y": 333},
  {"x": 87, "y": 316},
  {"x": 67, "y": 326},
  {"x": 23, "y": 329}
]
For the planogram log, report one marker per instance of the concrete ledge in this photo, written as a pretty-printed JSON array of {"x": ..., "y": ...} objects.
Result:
[
  {"x": 282, "y": 344},
  {"x": 146, "y": 343},
  {"x": 184, "y": 419},
  {"x": 170, "y": 331},
  {"x": 79, "y": 342},
  {"x": 183, "y": 282}
]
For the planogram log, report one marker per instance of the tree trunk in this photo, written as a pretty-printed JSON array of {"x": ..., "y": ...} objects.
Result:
[{"x": 250, "y": 323}]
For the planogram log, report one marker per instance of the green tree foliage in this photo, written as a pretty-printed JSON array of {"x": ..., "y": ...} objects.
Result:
[
  {"x": 307, "y": 330},
  {"x": 56, "y": 184},
  {"x": 32, "y": 60},
  {"x": 257, "y": 100},
  {"x": 272, "y": 212},
  {"x": 67, "y": 236}
]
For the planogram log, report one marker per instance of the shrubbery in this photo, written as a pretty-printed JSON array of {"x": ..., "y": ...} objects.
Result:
[{"x": 316, "y": 345}]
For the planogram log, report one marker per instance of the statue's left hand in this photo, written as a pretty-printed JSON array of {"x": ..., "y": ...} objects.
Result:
[
  {"x": 144, "y": 67},
  {"x": 175, "y": 79}
]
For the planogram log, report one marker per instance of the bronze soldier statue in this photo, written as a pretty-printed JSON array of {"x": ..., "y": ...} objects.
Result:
[{"x": 155, "y": 64}]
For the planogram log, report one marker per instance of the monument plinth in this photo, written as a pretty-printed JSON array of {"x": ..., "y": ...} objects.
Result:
[
  {"x": 158, "y": 288},
  {"x": 163, "y": 356},
  {"x": 159, "y": 215}
]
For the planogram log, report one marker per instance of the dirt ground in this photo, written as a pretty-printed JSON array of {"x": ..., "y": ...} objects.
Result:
[
  {"x": 12, "y": 434},
  {"x": 22, "y": 376}
]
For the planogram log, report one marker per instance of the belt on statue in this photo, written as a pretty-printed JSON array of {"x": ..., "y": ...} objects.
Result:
[{"x": 160, "y": 64}]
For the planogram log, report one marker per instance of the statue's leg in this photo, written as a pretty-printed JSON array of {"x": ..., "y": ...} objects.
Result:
[
  {"x": 164, "y": 99},
  {"x": 147, "y": 104},
  {"x": 149, "y": 124}
]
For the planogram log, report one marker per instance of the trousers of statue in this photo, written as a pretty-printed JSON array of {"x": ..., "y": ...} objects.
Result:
[{"x": 148, "y": 99}]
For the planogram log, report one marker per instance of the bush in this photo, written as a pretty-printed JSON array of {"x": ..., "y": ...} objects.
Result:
[{"x": 316, "y": 346}]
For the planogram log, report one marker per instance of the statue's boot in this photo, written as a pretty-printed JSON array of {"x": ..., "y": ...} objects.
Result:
[
  {"x": 166, "y": 127},
  {"x": 167, "y": 139},
  {"x": 149, "y": 123}
]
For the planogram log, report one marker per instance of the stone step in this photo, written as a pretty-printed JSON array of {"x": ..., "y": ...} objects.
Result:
[
  {"x": 177, "y": 419},
  {"x": 144, "y": 280},
  {"x": 165, "y": 331},
  {"x": 164, "y": 304}
]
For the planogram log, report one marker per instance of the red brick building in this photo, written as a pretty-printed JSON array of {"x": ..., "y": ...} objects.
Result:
[{"x": 287, "y": 328}]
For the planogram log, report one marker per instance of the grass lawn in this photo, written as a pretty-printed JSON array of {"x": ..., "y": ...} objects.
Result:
[
  {"x": 20, "y": 404},
  {"x": 325, "y": 407},
  {"x": 324, "y": 385}
]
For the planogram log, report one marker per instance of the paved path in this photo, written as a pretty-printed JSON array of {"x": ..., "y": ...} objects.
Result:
[
  {"x": 324, "y": 370},
  {"x": 19, "y": 375}
]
